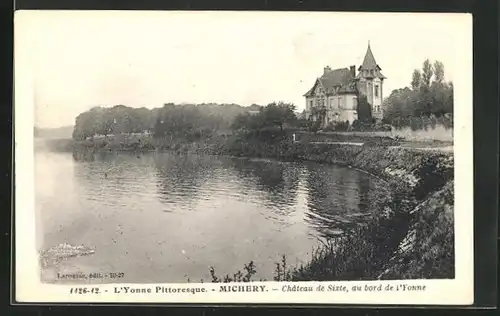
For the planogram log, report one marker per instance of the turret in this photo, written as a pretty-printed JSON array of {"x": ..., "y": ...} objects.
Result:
[{"x": 370, "y": 83}]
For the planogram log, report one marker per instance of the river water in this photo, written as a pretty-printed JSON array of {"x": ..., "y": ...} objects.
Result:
[{"x": 160, "y": 217}]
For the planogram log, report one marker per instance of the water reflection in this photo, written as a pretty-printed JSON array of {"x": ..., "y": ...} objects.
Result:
[
  {"x": 278, "y": 181},
  {"x": 364, "y": 193},
  {"x": 115, "y": 179},
  {"x": 338, "y": 199},
  {"x": 158, "y": 216},
  {"x": 182, "y": 177}
]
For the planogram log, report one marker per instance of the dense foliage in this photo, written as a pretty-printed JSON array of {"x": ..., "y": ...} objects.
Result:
[
  {"x": 273, "y": 115},
  {"x": 195, "y": 121},
  {"x": 364, "y": 109},
  {"x": 427, "y": 102},
  {"x": 171, "y": 119}
]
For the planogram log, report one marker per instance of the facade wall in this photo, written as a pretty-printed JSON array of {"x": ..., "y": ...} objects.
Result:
[
  {"x": 339, "y": 108},
  {"x": 373, "y": 90},
  {"x": 309, "y": 106},
  {"x": 349, "y": 111},
  {"x": 369, "y": 91},
  {"x": 349, "y": 115},
  {"x": 377, "y": 110}
]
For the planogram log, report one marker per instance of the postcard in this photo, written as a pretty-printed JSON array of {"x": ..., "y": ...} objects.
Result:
[{"x": 243, "y": 157}]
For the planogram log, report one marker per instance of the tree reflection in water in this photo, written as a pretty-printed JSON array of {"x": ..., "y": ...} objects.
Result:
[
  {"x": 330, "y": 198},
  {"x": 339, "y": 198},
  {"x": 278, "y": 181},
  {"x": 180, "y": 178}
]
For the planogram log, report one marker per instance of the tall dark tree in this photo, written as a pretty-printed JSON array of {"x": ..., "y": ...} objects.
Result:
[
  {"x": 364, "y": 109},
  {"x": 427, "y": 73},
  {"x": 438, "y": 71},
  {"x": 416, "y": 80}
]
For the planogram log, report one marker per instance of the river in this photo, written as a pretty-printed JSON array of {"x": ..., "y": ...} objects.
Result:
[{"x": 160, "y": 217}]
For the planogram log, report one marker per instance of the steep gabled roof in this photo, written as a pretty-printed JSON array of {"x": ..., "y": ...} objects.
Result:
[
  {"x": 369, "y": 61},
  {"x": 310, "y": 92},
  {"x": 370, "y": 65}
]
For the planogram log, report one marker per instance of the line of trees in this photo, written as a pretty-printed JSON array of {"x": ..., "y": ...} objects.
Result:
[
  {"x": 114, "y": 120},
  {"x": 429, "y": 99},
  {"x": 274, "y": 115},
  {"x": 170, "y": 120},
  {"x": 192, "y": 122}
]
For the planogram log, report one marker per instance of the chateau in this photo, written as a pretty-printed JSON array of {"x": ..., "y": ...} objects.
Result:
[{"x": 334, "y": 95}]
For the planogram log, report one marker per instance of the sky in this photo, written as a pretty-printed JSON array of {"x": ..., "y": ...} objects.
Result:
[{"x": 75, "y": 60}]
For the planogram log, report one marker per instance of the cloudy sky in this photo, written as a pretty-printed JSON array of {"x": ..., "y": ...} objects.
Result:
[{"x": 77, "y": 60}]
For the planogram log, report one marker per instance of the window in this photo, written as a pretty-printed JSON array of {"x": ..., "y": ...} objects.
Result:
[
  {"x": 311, "y": 103},
  {"x": 376, "y": 90}
]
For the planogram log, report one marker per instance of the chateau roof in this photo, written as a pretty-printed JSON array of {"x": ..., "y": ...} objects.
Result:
[
  {"x": 333, "y": 81},
  {"x": 310, "y": 92},
  {"x": 369, "y": 61},
  {"x": 336, "y": 78},
  {"x": 370, "y": 64}
]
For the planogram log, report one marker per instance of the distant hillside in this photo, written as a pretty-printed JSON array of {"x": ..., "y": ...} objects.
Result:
[{"x": 58, "y": 132}]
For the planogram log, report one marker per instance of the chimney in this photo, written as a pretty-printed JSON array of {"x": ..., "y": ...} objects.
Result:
[
  {"x": 326, "y": 69},
  {"x": 353, "y": 71}
]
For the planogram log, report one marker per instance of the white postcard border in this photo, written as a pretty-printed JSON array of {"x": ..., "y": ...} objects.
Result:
[{"x": 458, "y": 291}]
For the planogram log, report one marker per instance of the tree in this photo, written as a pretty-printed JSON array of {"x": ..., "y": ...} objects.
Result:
[
  {"x": 421, "y": 105},
  {"x": 278, "y": 114},
  {"x": 273, "y": 115},
  {"x": 416, "y": 79},
  {"x": 364, "y": 109},
  {"x": 242, "y": 122},
  {"x": 438, "y": 71},
  {"x": 427, "y": 73},
  {"x": 399, "y": 106}
]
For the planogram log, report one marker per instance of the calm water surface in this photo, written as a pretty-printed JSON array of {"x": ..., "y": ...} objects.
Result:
[{"x": 159, "y": 217}]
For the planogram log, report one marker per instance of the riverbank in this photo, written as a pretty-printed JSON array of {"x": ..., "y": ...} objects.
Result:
[{"x": 411, "y": 235}]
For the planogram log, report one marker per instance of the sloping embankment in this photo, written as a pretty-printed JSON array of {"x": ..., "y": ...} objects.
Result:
[
  {"x": 413, "y": 236},
  {"x": 412, "y": 233}
]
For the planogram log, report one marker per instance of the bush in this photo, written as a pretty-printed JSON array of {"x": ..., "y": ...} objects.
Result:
[{"x": 337, "y": 127}]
